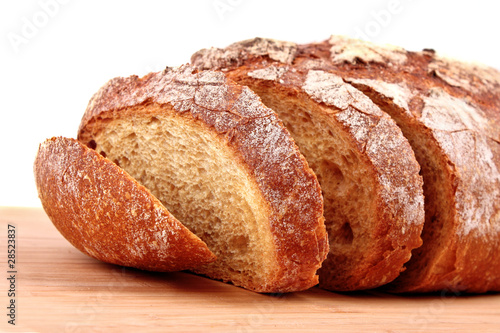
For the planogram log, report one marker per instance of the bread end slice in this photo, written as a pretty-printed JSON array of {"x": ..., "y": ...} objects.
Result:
[
  {"x": 107, "y": 215},
  {"x": 224, "y": 165}
]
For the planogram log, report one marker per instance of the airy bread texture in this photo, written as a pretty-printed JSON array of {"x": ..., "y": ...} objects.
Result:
[
  {"x": 224, "y": 165},
  {"x": 450, "y": 113},
  {"x": 107, "y": 215},
  {"x": 370, "y": 179}
]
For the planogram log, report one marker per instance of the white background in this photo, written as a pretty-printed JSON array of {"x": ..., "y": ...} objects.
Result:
[{"x": 55, "y": 54}]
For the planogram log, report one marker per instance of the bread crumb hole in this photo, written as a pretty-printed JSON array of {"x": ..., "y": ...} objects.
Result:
[
  {"x": 331, "y": 173},
  {"x": 306, "y": 118},
  {"x": 92, "y": 144},
  {"x": 345, "y": 234},
  {"x": 154, "y": 120},
  {"x": 239, "y": 243}
]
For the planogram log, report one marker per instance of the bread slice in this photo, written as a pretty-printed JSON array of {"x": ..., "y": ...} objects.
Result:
[
  {"x": 224, "y": 165},
  {"x": 449, "y": 112},
  {"x": 107, "y": 215},
  {"x": 367, "y": 170}
]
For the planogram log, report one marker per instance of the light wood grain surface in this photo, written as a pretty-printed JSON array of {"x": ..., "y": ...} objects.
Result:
[{"x": 59, "y": 289}]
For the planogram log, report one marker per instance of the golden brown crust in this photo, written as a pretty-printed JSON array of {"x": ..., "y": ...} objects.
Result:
[
  {"x": 399, "y": 212},
  {"x": 455, "y": 107},
  {"x": 107, "y": 215},
  {"x": 260, "y": 140}
]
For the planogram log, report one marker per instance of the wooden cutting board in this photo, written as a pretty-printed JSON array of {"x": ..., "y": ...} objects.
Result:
[{"x": 59, "y": 289}]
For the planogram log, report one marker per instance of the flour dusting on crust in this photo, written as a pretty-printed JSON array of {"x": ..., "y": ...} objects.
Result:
[
  {"x": 473, "y": 77},
  {"x": 399, "y": 93},
  {"x": 331, "y": 89},
  {"x": 235, "y": 54},
  {"x": 345, "y": 49},
  {"x": 277, "y": 50},
  {"x": 462, "y": 131},
  {"x": 271, "y": 73}
]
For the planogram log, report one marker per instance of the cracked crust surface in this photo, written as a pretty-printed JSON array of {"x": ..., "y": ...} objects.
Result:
[{"x": 259, "y": 141}]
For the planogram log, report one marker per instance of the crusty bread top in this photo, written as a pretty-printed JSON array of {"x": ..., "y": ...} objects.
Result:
[
  {"x": 428, "y": 86},
  {"x": 260, "y": 140},
  {"x": 106, "y": 214}
]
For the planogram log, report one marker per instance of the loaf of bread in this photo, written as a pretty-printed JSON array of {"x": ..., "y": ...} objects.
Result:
[
  {"x": 447, "y": 109},
  {"x": 107, "y": 215},
  {"x": 373, "y": 197},
  {"x": 379, "y": 127},
  {"x": 224, "y": 165}
]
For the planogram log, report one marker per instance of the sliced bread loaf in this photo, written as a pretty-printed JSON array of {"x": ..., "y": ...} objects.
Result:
[
  {"x": 224, "y": 165},
  {"x": 107, "y": 215},
  {"x": 367, "y": 170},
  {"x": 450, "y": 113}
]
